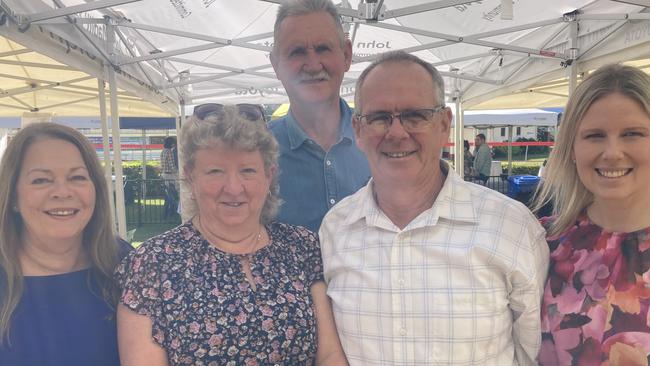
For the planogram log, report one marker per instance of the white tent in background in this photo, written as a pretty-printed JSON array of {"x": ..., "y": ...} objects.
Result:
[
  {"x": 510, "y": 117},
  {"x": 507, "y": 118},
  {"x": 183, "y": 52}
]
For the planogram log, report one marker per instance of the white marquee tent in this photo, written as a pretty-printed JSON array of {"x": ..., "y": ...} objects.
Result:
[
  {"x": 492, "y": 53},
  {"x": 509, "y": 117}
]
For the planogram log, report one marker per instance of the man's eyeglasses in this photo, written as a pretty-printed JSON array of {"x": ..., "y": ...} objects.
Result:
[
  {"x": 252, "y": 112},
  {"x": 413, "y": 120}
]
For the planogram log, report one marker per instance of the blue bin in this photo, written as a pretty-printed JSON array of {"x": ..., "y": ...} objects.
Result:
[{"x": 518, "y": 184}]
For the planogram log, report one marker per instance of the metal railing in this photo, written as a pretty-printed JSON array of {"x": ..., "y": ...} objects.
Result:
[
  {"x": 151, "y": 201},
  {"x": 498, "y": 183},
  {"x": 501, "y": 184}
]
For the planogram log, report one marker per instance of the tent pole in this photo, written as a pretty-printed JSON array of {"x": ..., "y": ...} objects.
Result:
[
  {"x": 459, "y": 153},
  {"x": 117, "y": 156},
  {"x": 458, "y": 130},
  {"x": 184, "y": 194},
  {"x": 108, "y": 171},
  {"x": 144, "y": 163},
  {"x": 573, "y": 56},
  {"x": 117, "y": 145},
  {"x": 509, "y": 150}
]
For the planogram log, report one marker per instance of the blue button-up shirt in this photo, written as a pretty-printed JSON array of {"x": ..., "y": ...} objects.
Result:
[{"x": 313, "y": 180}]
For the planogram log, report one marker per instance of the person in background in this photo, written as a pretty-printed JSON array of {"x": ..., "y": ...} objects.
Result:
[
  {"x": 58, "y": 251},
  {"x": 468, "y": 160},
  {"x": 319, "y": 161},
  {"x": 596, "y": 299},
  {"x": 482, "y": 158},
  {"x": 230, "y": 286},
  {"x": 169, "y": 173},
  {"x": 422, "y": 267}
]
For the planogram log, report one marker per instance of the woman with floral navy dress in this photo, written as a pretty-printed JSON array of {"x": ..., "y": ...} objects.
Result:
[
  {"x": 596, "y": 300},
  {"x": 230, "y": 286}
]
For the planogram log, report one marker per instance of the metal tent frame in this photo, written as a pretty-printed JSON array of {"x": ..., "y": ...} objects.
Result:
[{"x": 492, "y": 53}]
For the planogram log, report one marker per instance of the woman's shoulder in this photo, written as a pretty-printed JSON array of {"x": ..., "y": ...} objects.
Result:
[
  {"x": 123, "y": 247},
  {"x": 294, "y": 232},
  {"x": 169, "y": 244},
  {"x": 293, "y": 236}
]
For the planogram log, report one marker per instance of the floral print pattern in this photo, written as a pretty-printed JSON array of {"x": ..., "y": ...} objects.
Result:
[
  {"x": 205, "y": 312},
  {"x": 596, "y": 299}
]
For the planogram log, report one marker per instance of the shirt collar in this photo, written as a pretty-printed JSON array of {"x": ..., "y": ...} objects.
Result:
[
  {"x": 454, "y": 203},
  {"x": 298, "y": 136}
]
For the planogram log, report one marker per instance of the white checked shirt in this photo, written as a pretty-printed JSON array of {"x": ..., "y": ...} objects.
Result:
[{"x": 460, "y": 285}]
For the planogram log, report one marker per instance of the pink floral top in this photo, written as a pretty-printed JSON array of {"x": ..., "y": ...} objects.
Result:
[
  {"x": 203, "y": 309},
  {"x": 596, "y": 298}
]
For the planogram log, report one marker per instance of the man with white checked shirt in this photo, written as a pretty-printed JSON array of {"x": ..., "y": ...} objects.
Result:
[{"x": 422, "y": 267}]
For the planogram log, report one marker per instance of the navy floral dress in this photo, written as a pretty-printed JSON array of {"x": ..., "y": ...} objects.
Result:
[{"x": 203, "y": 309}]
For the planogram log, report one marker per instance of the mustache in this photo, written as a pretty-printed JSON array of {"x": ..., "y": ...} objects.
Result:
[{"x": 307, "y": 76}]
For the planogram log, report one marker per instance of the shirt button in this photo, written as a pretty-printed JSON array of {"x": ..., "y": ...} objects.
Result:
[
  {"x": 402, "y": 331},
  {"x": 401, "y": 282},
  {"x": 332, "y": 201},
  {"x": 328, "y": 162}
]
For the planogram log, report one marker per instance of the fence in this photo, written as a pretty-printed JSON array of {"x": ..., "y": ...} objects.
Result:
[
  {"x": 151, "y": 201},
  {"x": 498, "y": 183},
  {"x": 501, "y": 185}
]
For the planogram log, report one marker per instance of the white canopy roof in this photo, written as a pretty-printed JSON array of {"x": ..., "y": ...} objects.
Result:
[
  {"x": 194, "y": 51},
  {"x": 34, "y": 83}
]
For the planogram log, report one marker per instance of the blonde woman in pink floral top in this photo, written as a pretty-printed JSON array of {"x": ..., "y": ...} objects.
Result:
[{"x": 597, "y": 295}]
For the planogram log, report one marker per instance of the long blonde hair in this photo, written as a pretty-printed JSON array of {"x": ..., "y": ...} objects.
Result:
[
  {"x": 562, "y": 186},
  {"x": 98, "y": 237}
]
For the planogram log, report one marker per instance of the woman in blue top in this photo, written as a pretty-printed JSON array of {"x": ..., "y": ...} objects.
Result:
[{"x": 57, "y": 252}]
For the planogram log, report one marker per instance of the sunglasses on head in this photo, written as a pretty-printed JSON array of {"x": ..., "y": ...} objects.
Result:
[{"x": 252, "y": 112}]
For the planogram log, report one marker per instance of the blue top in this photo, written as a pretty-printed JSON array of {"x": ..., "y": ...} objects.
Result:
[
  {"x": 311, "y": 179},
  {"x": 62, "y": 320}
]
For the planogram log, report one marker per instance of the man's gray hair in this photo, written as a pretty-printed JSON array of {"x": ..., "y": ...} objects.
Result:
[
  {"x": 293, "y": 8},
  {"x": 400, "y": 57},
  {"x": 236, "y": 132}
]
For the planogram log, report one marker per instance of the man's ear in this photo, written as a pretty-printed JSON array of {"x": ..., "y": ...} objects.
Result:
[
  {"x": 446, "y": 119},
  {"x": 356, "y": 125},
  {"x": 274, "y": 62},
  {"x": 347, "y": 54}
]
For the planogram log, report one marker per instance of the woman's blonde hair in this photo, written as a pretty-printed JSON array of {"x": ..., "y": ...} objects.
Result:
[
  {"x": 98, "y": 236},
  {"x": 562, "y": 186}
]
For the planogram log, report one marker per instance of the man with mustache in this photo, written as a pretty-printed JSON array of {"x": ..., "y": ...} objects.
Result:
[{"x": 319, "y": 161}]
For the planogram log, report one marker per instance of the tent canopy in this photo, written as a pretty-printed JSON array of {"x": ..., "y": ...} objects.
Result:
[
  {"x": 34, "y": 83},
  {"x": 189, "y": 52}
]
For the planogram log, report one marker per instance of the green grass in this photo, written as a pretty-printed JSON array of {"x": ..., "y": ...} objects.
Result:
[{"x": 146, "y": 231}]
